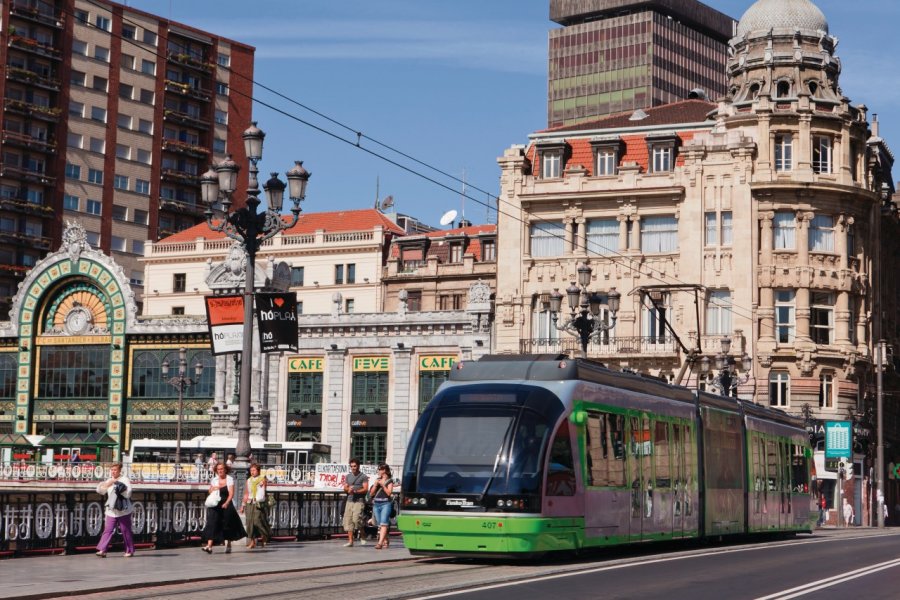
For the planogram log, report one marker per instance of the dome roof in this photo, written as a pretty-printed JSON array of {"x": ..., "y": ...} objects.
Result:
[{"x": 782, "y": 14}]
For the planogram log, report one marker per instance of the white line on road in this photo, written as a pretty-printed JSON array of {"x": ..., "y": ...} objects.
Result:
[{"x": 821, "y": 584}]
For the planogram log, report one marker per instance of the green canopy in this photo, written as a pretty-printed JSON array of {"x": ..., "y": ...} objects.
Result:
[{"x": 95, "y": 438}]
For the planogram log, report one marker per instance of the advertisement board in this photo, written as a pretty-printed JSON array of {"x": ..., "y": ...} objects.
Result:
[
  {"x": 276, "y": 314},
  {"x": 225, "y": 315}
]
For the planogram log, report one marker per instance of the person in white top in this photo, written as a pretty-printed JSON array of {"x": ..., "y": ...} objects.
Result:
[
  {"x": 222, "y": 521},
  {"x": 118, "y": 510}
]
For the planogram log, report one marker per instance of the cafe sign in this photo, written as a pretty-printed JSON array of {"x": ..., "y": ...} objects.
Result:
[
  {"x": 301, "y": 364},
  {"x": 436, "y": 363}
]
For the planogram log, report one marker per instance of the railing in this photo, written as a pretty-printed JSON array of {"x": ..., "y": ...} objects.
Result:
[
  {"x": 613, "y": 346},
  {"x": 32, "y": 45},
  {"x": 52, "y": 18},
  {"x": 68, "y": 521}
]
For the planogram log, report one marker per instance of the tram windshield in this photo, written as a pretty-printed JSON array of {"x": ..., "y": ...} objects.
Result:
[{"x": 482, "y": 440}]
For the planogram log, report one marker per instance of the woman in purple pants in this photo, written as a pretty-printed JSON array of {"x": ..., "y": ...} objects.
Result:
[{"x": 118, "y": 510}]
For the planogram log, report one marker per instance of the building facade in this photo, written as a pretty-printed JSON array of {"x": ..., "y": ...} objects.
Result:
[
  {"x": 617, "y": 55},
  {"x": 762, "y": 217},
  {"x": 110, "y": 116}
]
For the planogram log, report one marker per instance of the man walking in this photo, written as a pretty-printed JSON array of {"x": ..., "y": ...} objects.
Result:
[{"x": 356, "y": 486}]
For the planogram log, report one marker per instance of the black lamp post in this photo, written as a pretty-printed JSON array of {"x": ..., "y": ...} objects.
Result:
[
  {"x": 250, "y": 229},
  {"x": 181, "y": 382},
  {"x": 584, "y": 307},
  {"x": 728, "y": 379}
]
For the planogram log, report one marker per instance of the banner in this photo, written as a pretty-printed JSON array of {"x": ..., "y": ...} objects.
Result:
[
  {"x": 277, "y": 316},
  {"x": 225, "y": 315},
  {"x": 333, "y": 475}
]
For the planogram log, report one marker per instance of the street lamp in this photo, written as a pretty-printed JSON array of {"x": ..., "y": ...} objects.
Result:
[
  {"x": 584, "y": 307},
  {"x": 250, "y": 229},
  {"x": 181, "y": 382},
  {"x": 729, "y": 378}
]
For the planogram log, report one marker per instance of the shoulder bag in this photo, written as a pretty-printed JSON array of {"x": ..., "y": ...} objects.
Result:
[{"x": 213, "y": 499}]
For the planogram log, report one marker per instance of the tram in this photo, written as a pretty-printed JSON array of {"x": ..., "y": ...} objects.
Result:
[
  {"x": 525, "y": 455},
  {"x": 291, "y": 454}
]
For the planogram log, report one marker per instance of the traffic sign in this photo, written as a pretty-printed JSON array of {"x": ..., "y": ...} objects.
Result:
[{"x": 838, "y": 439}]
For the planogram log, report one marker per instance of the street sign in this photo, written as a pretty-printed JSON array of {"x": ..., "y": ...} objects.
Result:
[{"x": 838, "y": 439}]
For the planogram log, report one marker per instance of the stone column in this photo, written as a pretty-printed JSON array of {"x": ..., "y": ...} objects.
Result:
[
  {"x": 842, "y": 319},
  {"x": 636, "y": 233},
  {"x": 569, "y": 226},
  {"x": 581, "y": 238},
  {"x": 335, "y": 411},
  {"x": 623, "y": 233},
  {"x": 399, "y": 405},
  {"x": 801, "y": 301}
]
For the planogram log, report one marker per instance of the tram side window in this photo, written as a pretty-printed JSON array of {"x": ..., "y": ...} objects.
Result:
[
  {"x": 758, "y": 474},
  {"x": 661, "y": 453},
  {"x": 799, "y": 470},
  {"x": 690, "y": 458},
  {"x": 561, "y": 475},
  {"x": 772, "y": 466},
  {"x": 605, "y": 449}
]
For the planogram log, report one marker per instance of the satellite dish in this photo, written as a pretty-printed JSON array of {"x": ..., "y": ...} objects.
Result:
[{"x": 448, "y": 217}]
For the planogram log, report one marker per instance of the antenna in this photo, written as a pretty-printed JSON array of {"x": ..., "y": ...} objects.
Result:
[
  {"x": 377, "y": 191},
  {"x": 463, "y": 196},
  {"x": 448, "y": 217}
]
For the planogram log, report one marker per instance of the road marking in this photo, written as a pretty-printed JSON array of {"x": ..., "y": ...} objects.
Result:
[
  {"x": 494, "y": 586},
  {"x": 821, "y": 584}
]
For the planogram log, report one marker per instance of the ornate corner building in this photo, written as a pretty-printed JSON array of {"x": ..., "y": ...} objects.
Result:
[{"x": 764, "y": 216}]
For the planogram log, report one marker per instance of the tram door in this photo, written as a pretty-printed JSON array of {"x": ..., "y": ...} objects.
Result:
[
  {"x": 296, "y": 458},
  {"x": 640, "y": 473}
]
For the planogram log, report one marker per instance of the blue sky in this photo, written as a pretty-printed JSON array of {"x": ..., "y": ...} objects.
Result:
[{"x": 451, "y": 84}]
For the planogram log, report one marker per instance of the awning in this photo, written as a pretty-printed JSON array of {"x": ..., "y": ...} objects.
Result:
[
  {"x": 95, "y": 438},
  {"x": 18, "y": 440}
]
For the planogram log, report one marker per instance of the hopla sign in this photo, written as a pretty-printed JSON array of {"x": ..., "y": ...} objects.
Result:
[{"x": 277, "y": 316}]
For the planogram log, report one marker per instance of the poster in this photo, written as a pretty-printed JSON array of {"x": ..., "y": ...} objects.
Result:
[
  {"x": 277, "y": 317},
  {"x": 225, "y": 315}
]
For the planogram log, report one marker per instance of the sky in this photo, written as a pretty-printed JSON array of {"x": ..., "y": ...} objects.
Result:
[{"x": 448, "y": 84}]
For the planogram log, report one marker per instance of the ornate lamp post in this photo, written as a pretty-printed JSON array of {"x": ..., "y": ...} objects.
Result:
[
  {"x": 729, "y": 378},
  {"x": 584, "y": 307},
  {"x": 181, "y": 382},
  {"x": 250, "y": 229}
]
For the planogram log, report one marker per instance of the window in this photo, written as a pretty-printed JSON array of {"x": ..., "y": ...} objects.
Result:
[
  {"x": 784, "y": 316},
  {"x": 414, "y": 301},
  {"x": 821, "y": 234},
  {"x": 76, "y": 109},
  {"x": 179, "y": 282},
  {"x": 145, "y": 126},
  {"x": 659, "y": 234},
  {"x": 129, "y": 31},
  {"x": 143, "y": 156},
  {"x": 139, "y": 216},
  {"x": 305, "y": 392},
  {"x": 338, "y": 274},
  {"x": 779, "y": 389},
  {"x": 551, "y": 164},
  {"x": 297, "y": 276},
  {"x": 606, "y": 161},
  {"x": 602, "y": 236},
  {"x": 137, "y": 247},
  {"x": 299, "y": 307},
  {"x": 120, "y": 182},
  {"x": 547, "y": 239},
  {"x": 370, "y": 391},
  {"x": 123, "y": 151},
  {"x": 123, "y": 121},
  {"x": 821, "y": 154},
  {"x": 783, "y": 89},
  {"x": 102, "y": 23},
  {"x": 149, "y": 37},
  {"x": 712, "y": 225},
  {"x": 79, "y": 47},
  {"x": 821, "y": 317},
  {"x": 450, "y": 302},
  {"x": 348, "y": 305},
  {"x": 711, "y": 221},
  {"x": 119, "y": 213},
  {"x": 142, "y": 186},
  {"x": 73, "y": 171},
  {"x": 127, "y": 61},
  {"x": 784, "y": 226},
  {"x": 100, "y": 83},
  {"x": 95, "y": 176},
  {"x": 456, "y": 252},
  {"x": 70, "y": 202},
  {"x": 93, "y": 207},
  {"x": 76, "y": 372},
  {"x": 826, "y": 391},
  {"x": 219, "y": 146},
  {"x": 147, "y": 96},
  {"x": 784, "y": 160},
  {"x": 654, "y": 321},
  {"x": 125, "y": 91},
  {"x": 223, "y": 60},
  {"x": 148, "y": 67},
  {"x": 177, "y": 310},
  {"x": 117, "y": 244},
  {"x": 351, "y": 273},
  {"x": 75, "y": 140},
  {"x": 77, "y": 78},
  {"x": 221, "y": 88},
  {"x": 662, "y": 158},
  {"x": 727, "y": 233},
  {"x": 488, "y": 251},
  {"x": 221, "y": 117},
  {"x": 137, "y": 278},
  {"x": 98, "y": 145},
  {"x": 98, "y": 114},
  {"x": 605, "y": 449},
  {"x": 718, "y": 313},
  {"x": 101, "y": 53}
]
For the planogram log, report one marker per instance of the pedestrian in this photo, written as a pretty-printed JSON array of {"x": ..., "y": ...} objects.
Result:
[
  {"x": 222, "y": 521},
  {"x": 118, "y": 510},
  {"x": 381, "y": 493},
  {"x": 74, "y": 457},
  {"x": 256, "y": 509},
  {"x": 199, "y": 460},
  {"x": 230, "y": 460},
  {"x": 848, "y": 513},
  {"x": 356, "y": 486},
  {"x": 822, "y": 504},
  {"x": 212, "y": 462}
]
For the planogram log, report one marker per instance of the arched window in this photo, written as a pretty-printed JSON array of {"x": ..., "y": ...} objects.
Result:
[
  {"x": 813, "y": 88},
  {"x": 784, "y": 89}
]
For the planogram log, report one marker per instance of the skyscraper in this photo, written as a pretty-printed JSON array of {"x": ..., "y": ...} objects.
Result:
[
  {"x": 620, "y": 55},
  {"x": 110, "y": 115}
]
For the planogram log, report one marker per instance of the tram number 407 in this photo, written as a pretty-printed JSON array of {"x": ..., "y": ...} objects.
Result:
[{"x": 491, "y": 525}]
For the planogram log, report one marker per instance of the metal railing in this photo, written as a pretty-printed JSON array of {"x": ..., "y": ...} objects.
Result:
[
  {"x": 613, "y": 346},
  {"x": 69, "y": 521}
]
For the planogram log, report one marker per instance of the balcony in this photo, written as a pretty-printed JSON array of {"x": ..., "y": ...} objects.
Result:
[
  {"x": 18, "y": 172},
  {"x": 21, "y": 140},
  {"x": 26, "y": 239},
  {"x": 186, "y": 90},
  {"x": 618, "y": 347},
  {"x": 46, "y": 113},
  {"x": 43, "y": 16},
  {"x": 33, "y": 46},
  {"x": 177, "y": 176},
  {"x": 179, "y": 206},
  {"x": 28, "y": 208},
  {"x": 31, "y": 78},
  {"x": 174, "y": 116},
  {"x": 190, "y": 61},
  {"x": 14, "y": 270},
  {"x": 185, "y": 148}
]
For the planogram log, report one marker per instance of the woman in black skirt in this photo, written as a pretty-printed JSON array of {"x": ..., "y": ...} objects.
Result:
[{"x": 222, "y": 522}]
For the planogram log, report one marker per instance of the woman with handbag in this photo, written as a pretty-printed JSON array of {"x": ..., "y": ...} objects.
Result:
[
  {"x": 256, "y": 509},
  {"x": 118, "y": 510},
  {"x": 222, "y": 521},
  {"x": 380, "y": 493}
]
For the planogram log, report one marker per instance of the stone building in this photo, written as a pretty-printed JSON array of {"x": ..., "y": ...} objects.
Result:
[{"x": 763, "y": 217}]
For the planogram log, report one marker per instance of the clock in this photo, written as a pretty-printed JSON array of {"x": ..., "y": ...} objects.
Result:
[{"x": 78, "y": 320}]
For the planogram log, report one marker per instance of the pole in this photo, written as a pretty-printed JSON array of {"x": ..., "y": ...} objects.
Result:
[
  {"x": 178, "y": 424},
  {"x": 879, "y": 461}
]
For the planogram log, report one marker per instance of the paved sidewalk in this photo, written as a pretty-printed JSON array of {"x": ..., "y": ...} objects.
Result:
[{"x": 48, "y": 576}]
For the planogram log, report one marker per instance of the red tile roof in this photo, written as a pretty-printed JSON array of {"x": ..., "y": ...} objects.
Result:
[
  {"x": 331, "y": 222},
  {"x": 686, "y": 111},
  {"x": 471, "y": 232}
]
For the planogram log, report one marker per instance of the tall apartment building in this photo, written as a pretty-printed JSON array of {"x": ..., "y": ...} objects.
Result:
[
  {"x": 621, "y": 55},
  {"x": 110, "y": 115}
]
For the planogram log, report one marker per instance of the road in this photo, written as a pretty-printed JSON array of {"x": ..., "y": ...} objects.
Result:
[{"x": 829, "y": 564}]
